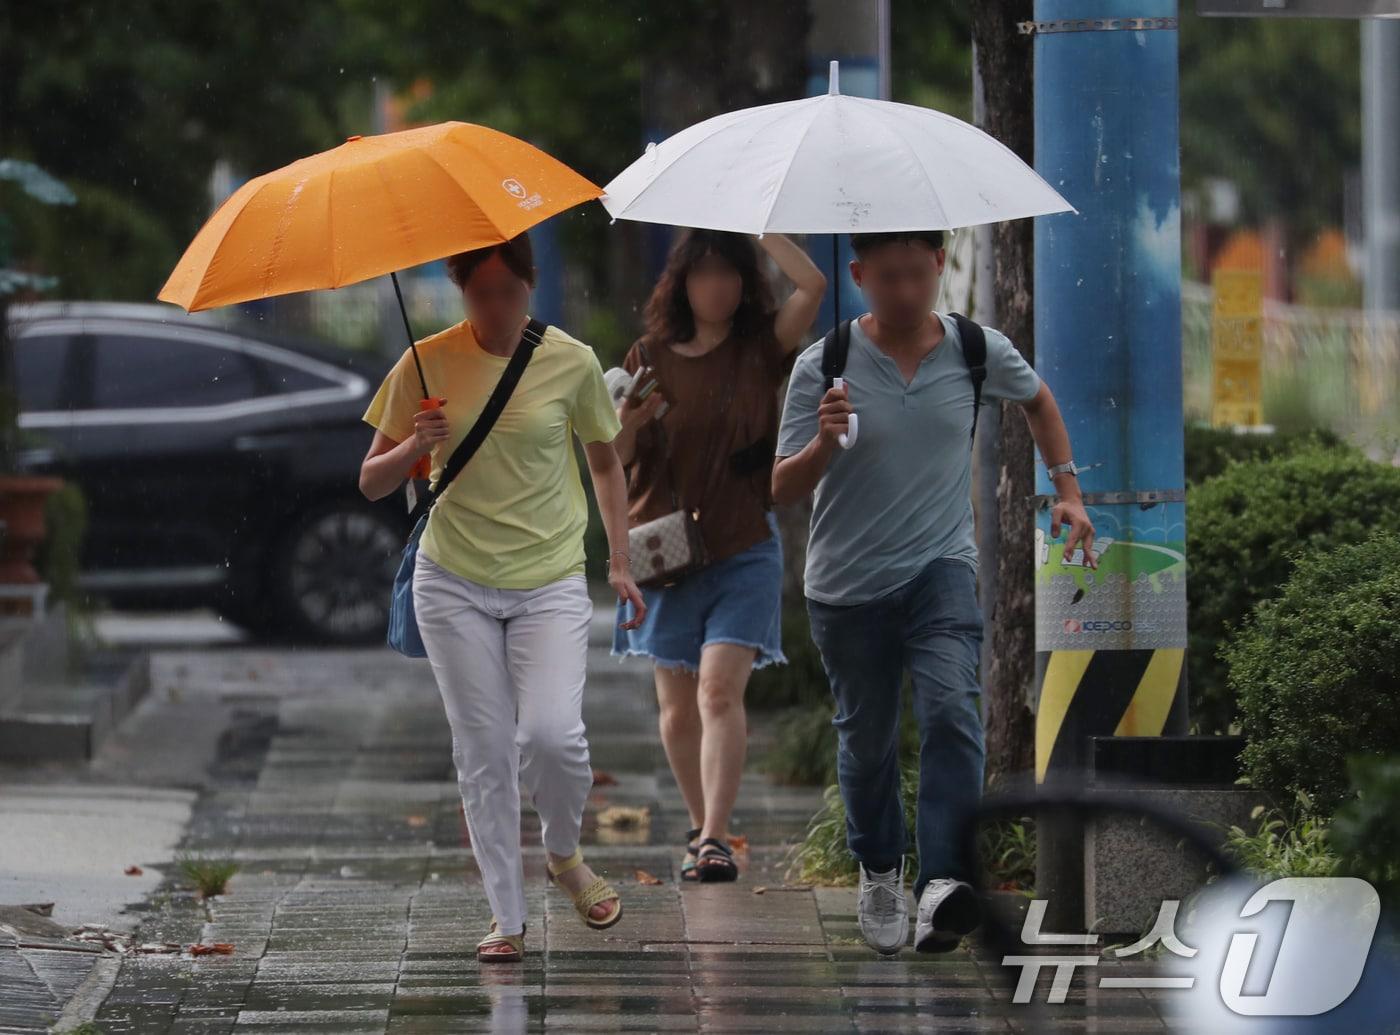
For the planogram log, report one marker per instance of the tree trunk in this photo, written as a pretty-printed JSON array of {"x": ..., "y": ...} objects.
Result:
[
  {"x": 729, "y": 54},
  {"x": 1005, "y": 59}
]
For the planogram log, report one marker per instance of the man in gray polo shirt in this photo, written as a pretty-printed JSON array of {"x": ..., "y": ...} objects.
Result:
[{"x": 891, "y": 576}]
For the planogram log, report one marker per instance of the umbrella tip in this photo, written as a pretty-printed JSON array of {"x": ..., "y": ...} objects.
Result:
[{"x": 834, "y": 87}]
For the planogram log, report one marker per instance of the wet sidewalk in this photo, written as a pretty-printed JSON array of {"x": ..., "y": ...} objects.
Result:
[{"x": 357, "y": 906}]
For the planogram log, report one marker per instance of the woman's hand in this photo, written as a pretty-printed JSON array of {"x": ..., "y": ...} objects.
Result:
[
  {"x": 620, "y": 579},
  {"x": 429, "y": 428},
  {"x": 611, "y": 490},
  {"x": 633, "y": 414},
  {"x": 809, "y": 286}
]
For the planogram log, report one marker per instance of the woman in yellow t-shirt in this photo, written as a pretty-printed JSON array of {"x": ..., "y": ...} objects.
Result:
[{"x": 498, "y": 590}]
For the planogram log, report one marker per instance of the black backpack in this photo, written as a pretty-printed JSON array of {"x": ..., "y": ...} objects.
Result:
[{"x": 837, "y": 344}]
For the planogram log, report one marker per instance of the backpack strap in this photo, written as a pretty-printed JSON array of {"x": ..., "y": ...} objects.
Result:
[
  {"x": 974, "y": 348},
  {"x": 836, "y": 346}
]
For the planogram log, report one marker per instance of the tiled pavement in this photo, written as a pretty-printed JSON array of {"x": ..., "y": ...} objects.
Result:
[{"x": 357, "y": 906}]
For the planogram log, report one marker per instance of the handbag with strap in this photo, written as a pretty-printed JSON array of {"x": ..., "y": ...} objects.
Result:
[
  {"x": 664, "y": 549},
  {"x": 403, "y": 625}
]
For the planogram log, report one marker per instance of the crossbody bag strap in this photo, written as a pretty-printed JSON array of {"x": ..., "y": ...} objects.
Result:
[{"x": 500, "y": 395}]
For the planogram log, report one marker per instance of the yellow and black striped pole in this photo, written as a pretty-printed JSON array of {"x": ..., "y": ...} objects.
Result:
[{"x": 1103, "y": 692}]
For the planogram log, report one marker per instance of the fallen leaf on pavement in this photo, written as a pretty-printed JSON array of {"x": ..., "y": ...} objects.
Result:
[
  {"x": 739, "y": 842},
  {"x": 646, "y": 878},
  {"x": 601, "y": 778},
  {"x": 133, "y": 871},
  {"x": 417, "y": 821},
  {"x": 221, "y": 948},
  {"x": 624, "y": 816}
]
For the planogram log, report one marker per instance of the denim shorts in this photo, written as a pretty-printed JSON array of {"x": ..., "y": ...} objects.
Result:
[{"x": 736, "y": 600}]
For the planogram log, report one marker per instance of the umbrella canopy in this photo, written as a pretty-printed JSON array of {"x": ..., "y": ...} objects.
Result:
[
  {"x": 830, "y": 165},
  {"x": 371, "y": 206}
]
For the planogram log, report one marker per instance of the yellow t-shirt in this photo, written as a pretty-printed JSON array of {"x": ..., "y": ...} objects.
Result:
[{"x": 514, "y": 517}]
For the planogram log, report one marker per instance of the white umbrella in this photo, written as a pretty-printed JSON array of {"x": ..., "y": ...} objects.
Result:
[{"x": 830, "y": 165}]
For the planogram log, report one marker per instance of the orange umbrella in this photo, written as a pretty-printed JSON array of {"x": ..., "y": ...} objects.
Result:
[{"x": 372, "y": 206}]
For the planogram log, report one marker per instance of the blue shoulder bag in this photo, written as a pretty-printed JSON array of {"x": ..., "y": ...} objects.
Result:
[{"x": 403, "y": 626}]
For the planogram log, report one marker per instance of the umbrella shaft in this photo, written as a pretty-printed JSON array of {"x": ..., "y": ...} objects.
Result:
[{"x": 403, "y": 311}]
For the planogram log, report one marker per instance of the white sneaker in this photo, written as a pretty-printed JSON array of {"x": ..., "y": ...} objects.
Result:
[
  {"x": 948, "y": 909},
  {"x": 883, "y": 910}
]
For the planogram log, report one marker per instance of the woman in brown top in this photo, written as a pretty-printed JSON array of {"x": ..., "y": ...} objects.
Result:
[{"x": 720, "y": 351}]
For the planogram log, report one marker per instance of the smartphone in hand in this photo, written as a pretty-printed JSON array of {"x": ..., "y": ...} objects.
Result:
[{"x": 644, "y": 382}]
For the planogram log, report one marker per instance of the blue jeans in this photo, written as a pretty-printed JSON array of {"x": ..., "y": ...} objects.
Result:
[
  {"x": 931, "y": 626},
  {"x": 735, "y": 600}
]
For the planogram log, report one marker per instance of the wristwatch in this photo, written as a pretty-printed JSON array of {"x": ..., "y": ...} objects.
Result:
[{"x": 1068, "y": 467}]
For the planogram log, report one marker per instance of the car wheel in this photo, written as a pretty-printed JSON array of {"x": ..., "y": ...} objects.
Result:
[{"x": 334, "y": 573}]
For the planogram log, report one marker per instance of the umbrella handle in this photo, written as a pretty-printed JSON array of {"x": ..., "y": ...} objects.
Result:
[
  {"x": 423, "y": 467},
  {"x": 847, "y": 439}
]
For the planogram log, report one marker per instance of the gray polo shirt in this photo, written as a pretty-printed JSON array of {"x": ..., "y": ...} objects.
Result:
[{"x": 902, "y": 495}]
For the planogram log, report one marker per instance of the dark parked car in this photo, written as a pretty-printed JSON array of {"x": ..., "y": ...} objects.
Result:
[{"x": 220, "y": 467}]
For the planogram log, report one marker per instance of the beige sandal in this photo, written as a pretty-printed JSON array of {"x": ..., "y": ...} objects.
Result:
[
  {"x": 495, "y": 937},
  {"x": 595, "y": 892}
]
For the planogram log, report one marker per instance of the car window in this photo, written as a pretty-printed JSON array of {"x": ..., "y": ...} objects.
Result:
[
  {"x": 287, "y": 378},
  {"x": 131, "y": 372},
  {"x": 41, "y": 361}
]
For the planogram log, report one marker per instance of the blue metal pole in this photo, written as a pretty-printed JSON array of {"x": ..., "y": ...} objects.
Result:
[{"x": 1110, "y": 645}]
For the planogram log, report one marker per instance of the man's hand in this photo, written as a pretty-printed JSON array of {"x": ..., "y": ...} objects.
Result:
[
  {"x": 1081, "y": 530},
  {"x": 834, "y": 416}
]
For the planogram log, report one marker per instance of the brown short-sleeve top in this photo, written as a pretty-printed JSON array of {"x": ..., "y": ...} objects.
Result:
[{"x": 722, "y": 428}]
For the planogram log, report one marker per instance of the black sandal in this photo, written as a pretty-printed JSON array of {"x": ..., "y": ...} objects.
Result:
[
  {"x": 715, "y": 861},
  {"x": 688, "y": 868}
]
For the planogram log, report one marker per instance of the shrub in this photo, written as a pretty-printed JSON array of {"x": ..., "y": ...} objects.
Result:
[
  {"x": 1243, "y": 531},
  {"x": 1317, "y": 672},
  {"x": 1006, "y": 848},
  {"x": 804, "y": 749},
  {"x": 59, "y": 556},
  {"x": 822, "y": 857},
  {"x": 802, "y": 681},
  {"x": 209, "y": 876},
  {"x": 1366, "y": 830},
  {"x": 1209, "y": 450},
  {"x": 1292, "y": 843}
]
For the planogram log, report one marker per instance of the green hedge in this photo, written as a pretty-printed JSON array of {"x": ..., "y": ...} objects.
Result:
[
  {"x": 1244, "y": 528},
  {"x": 802, "y": 681},
  {"x": 1366, "y": 831},
  {"x": 1317, "y": 672},
  {"x": 804, "y": 747},
  {"x": 1209, "y": 450}
]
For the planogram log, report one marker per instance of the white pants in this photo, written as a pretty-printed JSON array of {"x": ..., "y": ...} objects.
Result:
[{"x": 510, "y": 666}]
